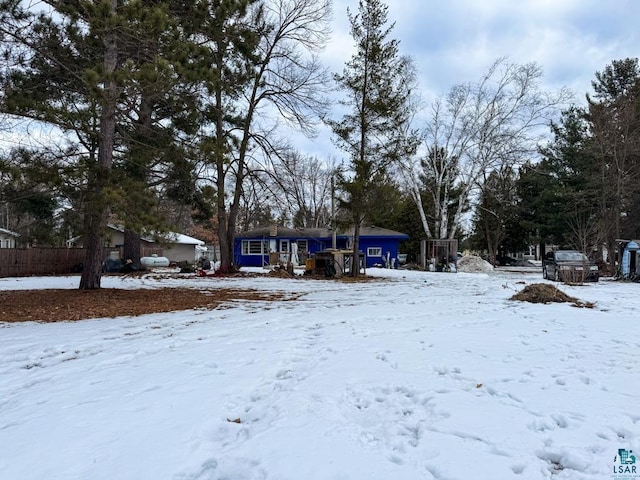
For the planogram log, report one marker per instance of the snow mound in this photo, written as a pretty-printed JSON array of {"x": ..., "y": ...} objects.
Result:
[{"x": 473, "y": 264}]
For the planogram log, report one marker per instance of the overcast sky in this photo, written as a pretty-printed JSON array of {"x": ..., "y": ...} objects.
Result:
[{"x": 456, "y": 41}]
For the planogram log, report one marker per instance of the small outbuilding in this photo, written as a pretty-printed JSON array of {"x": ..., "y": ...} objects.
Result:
[
  {"x": 629, "y": 261},
  {"x": 179, "y": 247},
  {"x": 439, "y": 254}
]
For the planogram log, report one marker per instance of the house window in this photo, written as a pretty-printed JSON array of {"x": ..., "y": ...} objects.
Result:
[
  {"x": 284, "y": 245},
  {"x": 303, "y": 245},
  {"x": 255, "y": 247},
  {"x": 374, "y": 252}
]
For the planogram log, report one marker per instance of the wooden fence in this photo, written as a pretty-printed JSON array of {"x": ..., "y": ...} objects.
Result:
[
  {"x": 23, "y": 262},
  {"x": 26, "y": 262}
]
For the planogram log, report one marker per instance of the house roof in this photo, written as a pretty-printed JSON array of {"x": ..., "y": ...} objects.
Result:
[
  {"x": 183, "y": 239},
  {"x": 628, "y": 244},
  {"x": 9, "y": 232},
  {"x": 374, "y": 231},
  {"x": 280, "y": 232},
  {"x": 171, "y": 237}
]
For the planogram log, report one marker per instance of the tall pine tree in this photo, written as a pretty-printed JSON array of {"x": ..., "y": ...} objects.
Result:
[
  {"x": 377, "y": 83},
  {"x": 117, "y": 82}
]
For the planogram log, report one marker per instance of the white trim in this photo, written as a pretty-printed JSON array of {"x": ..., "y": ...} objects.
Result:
[
  {"x": 247, "y": 243},
  {"x": 9, "y": 232}
]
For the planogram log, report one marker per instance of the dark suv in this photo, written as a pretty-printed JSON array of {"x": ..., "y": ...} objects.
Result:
[{"x": 569, "y": 266}]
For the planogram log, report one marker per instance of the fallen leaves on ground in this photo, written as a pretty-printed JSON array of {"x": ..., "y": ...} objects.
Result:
[{"x": 55, "y": 305}]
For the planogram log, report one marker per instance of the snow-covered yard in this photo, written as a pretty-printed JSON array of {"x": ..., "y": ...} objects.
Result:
[{"x": 422, "y": 376}]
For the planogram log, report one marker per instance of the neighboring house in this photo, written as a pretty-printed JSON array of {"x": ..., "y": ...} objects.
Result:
[
  {"x": 175, "y": 246},
  {"x": 629, "y": 263},
  {"x": 8, "y": 238},
  {"x": 260, "y": 247}
]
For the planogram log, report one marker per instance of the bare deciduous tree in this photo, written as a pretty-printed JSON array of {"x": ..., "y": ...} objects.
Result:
[
  {"x": 475, "y": 129},
  {"x": 280, "y": 79},
  {"x": 302, "y": 185}
]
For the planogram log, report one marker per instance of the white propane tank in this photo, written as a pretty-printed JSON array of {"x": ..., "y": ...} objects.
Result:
[{"x": 154, "y": 261}]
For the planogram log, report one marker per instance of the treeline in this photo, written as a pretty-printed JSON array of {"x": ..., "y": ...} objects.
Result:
[
  {"x": 584, "y": 193},
  {"x": 148, "y": 112},
  {"x": 164, "y": 115}
]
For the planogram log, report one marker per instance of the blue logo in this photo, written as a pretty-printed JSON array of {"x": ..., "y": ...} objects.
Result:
[{"x": 624, "y": 465}]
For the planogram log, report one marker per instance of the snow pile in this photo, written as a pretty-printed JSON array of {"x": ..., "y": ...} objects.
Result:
[{"x": 473, "y": 264}]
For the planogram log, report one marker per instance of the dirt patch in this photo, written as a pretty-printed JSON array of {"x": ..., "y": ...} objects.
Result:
[
  {"x": 57, "y": 305},
  {"x": 545, "y": 293}
]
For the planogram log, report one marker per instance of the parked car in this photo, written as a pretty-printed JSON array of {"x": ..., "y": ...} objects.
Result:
[{"x": 569, "y": 266}]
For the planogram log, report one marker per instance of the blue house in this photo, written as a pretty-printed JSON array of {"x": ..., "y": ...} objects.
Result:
[{"x": 270, "y": 245}]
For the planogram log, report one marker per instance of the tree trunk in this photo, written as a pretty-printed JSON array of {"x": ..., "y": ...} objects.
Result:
[
  {"x": 226, "y": 250},
  {"x": 491, "y": 250},
  {"x": 355, "y": 264},
  {"x": 96, "y": 208},
  {"x": 132, "y": 246},
  {"x": 94, "y": 245},
  {"x": 415, "y": 194}
]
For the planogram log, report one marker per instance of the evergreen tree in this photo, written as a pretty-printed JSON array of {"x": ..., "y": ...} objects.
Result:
[
  {"x": 397, "y": 211},
  {"x": 104, "y": 76},
  {"x": 559, "y": 196},
  {"x": 28, "y": 196},
  {"x": 496, "y": 215},
  {"x": 60, "y": 69},
  {"x": 614, "y": 124},
  {"x": 377, "y": 84}
]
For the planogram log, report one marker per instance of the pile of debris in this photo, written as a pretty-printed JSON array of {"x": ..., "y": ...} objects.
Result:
[
  {"x": 473, "y": 264},
  {"x": 280, "y": 273},
  {"x": 546, "y": 293},
  {"x": 543, "y": 293}
]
